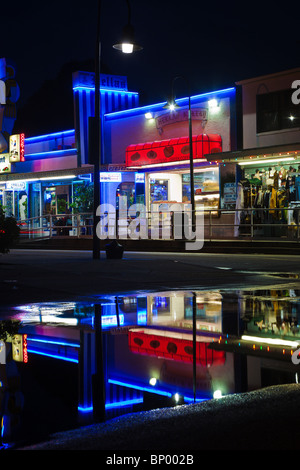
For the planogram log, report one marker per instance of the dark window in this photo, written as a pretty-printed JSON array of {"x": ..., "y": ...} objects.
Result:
[{"x": 275, "y": 111}]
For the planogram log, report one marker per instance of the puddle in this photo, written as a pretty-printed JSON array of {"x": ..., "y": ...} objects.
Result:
[{"x": 159, "y": 349}]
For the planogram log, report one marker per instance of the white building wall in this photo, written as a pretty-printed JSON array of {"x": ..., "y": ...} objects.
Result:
[
  {"x": 259, "y": 85},
  {"x": 123, "y": 131}
]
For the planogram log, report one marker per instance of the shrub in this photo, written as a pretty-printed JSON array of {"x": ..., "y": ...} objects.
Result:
[{"x": 9, "y": 232}]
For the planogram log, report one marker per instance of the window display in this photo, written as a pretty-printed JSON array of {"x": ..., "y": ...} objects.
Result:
[
  {"x": 158, "y": 190},
  {"x": 275, "y": 189}
]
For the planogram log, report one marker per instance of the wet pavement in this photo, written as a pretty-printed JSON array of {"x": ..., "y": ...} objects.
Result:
[
  {"x": 155, "y": 311},
  {"x": 36, "y": 275}
]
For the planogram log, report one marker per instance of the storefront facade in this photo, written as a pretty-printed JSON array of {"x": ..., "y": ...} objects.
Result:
[
  {"x": 267, "y": 169},
  {"x": 54, "y": 173},
  {"x": 153, "y": 143}
]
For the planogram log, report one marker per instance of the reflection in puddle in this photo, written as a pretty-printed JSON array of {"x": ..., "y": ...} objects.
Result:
[{"x": 159, "y": 349}]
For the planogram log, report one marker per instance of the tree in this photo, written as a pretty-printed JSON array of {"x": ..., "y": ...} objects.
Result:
[
  {"x": 9, "y": 231},
  {"x": 8, "y": 328},
  {"x": 83, "y": 198}
]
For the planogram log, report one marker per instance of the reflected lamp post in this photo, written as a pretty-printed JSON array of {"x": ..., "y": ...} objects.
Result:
[
  {"x": 172, "y": 106},
  {"x": 126, "y": 45}
]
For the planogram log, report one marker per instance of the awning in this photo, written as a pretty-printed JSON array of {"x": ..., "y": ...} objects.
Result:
[
  {"x": 257, "y": 153},
  {"x": 172, "y": 150},
  {"x": 46, "y": 174}
]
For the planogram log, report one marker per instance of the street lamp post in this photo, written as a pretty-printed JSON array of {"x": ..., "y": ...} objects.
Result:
[
  {"x": 172, "y": 105},
  {"x": 126, "y": 45}
]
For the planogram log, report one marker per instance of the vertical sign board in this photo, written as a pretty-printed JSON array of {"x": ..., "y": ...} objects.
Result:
[
  {"x": 19, "y": 348},
  {"x": 17, "y": 148}
]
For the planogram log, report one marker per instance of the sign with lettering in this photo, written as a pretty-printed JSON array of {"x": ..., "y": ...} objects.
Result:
[
  {"x": 199, "y": 114},
  {"x": 109, "y": 177},
  {"x": 17, "y": 148},
  {"x": 19, "y": 348},
  {"x": 87, "y": 79}
]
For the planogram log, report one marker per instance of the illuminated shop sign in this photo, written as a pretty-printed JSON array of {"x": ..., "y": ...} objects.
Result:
[
  {"x": 140, "y": 177},
  {"x": 5, "y": 165},
  {"x": 17, "y": 148},
  {"x": 110, "y": 177},
  {"x": 172, "y": 150},
  {"x": 15, "y": 185}
]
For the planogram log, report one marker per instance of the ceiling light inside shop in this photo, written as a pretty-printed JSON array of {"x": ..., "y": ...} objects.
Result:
[{"x": 258, "y": 161}]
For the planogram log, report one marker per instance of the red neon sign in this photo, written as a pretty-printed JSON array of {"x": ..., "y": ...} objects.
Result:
[
  {"x": 172, "y": 150},
  {"x": 25, "y": 352},
  {"x": 22, "y": 147},
  {"x": 173, "y": 348}
]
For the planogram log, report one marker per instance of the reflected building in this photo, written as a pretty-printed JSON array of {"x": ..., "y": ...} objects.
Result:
[{"x": 156, "y": 346}]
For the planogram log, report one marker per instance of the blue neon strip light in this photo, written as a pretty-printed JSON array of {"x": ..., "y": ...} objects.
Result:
[
  {"x": 153, "y": 390},
  {"x": 144, "y": 109},
  {"x": 117, "y": 404},
  {"x": 54, "y": 135},
  {"x": 138, "y": 387},
  {"x": 59, "y": 343},
  {"x": 105, "y": 90},
  {"x": 53, "y": 153},
  {"x": 53, "y": 356}
]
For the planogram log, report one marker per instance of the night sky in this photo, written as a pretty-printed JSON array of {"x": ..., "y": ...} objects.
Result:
[{"x": 213, "y": 44}]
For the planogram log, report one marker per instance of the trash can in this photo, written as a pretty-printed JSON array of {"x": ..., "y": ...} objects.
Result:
[{"x": 114, "y": 250}]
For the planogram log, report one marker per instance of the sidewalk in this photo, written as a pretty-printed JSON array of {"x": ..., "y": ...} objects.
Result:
[
  {"x": 263, "y": 420},
  {"x": 44, "y": 275}
]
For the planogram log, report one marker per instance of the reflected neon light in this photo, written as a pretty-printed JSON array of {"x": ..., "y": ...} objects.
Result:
[{"x": 117, "y": 404}]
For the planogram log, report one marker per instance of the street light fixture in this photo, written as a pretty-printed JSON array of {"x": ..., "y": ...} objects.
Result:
[
  {"x": 128, "y": 44},
  {"x": 95, "y": 125},
  {"x": 173, "y": 106}
]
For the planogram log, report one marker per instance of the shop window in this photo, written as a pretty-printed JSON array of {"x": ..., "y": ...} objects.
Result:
[
  {"x": 125, "y": 195},
  {"x": 204, "y": 182},
  {"x": 276, "y": 111},
  {"x": 158, "y": 190}
]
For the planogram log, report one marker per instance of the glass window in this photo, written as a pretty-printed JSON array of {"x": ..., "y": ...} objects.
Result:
[
  {"x": 276, "y": 111},
  {"x": 158, "y": 190},
  {"x": 204, "y": 182}
]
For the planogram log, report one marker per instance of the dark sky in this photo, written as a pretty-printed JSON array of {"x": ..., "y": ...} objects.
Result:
[{"x": 212, "y": 43}]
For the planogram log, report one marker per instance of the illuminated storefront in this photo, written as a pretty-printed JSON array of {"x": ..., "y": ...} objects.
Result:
[
  {"x": 53, "y": 168},
  {"x": 157, "y": 147},
  {"x": 267, "y": 168}
]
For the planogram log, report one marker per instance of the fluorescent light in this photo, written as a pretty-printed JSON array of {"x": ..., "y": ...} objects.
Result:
[
  {"x": 271, "y": 160},
  {"x": 57, "y": 177},
  {"x": 277, "y": 342}
]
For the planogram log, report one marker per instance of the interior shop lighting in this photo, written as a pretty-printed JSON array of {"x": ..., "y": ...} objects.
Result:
[
  {"x": 274, "y": 341},
  {"x": 268, "y": 160},
  {"x": 57, "y": 177}
]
